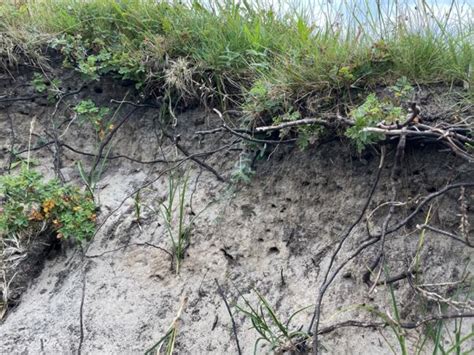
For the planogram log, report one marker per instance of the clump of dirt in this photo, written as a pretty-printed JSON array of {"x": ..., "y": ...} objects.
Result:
[{"x": 275, "y": 235}]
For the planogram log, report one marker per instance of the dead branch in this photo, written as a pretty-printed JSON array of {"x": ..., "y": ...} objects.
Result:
[
  {"x": 121, "y": 102},
  {"x": 114, "y": 157},
  {"x": 211, "y": 131},
  {"x": 464, "y": 218},
  {"x": 23, "y": 98},
  {"x": 399, "y": 277},
  {"x": 337, "y": 121},
  {"x": 246, "y": 134},
  {"x": 375, "y": 238},
  {"x": 256, "y": 140},
  {"x": 454, "y": 140},
  {"x": 363, "y": 246}
]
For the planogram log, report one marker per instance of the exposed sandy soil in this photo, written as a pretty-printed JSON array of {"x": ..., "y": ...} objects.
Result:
[{"x": 275, "y": 235}]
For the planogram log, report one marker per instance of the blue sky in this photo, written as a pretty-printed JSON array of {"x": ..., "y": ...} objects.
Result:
[{"x": 323, "y": 11}]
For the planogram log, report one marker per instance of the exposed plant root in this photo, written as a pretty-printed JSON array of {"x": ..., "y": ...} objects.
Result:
[
  {"x": 234, "y": 326},
  {"x": 404, "y": 325},
  {"x": 328, "y": 277}
]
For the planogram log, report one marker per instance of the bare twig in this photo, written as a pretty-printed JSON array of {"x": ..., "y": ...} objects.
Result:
[
  {"x": 336, "y": 121},
  {"x": 22, "y": 98},
  {"x": 114, "y": 157},
  {"x": 245, "y": 134},
  {"x": 440, "y": 231},
  {"x": 450, "y": 138},
  {"x": 256, "y": 140},
  {"x": 234, "y": 326},
  {"x": 122, "y": 102},
  {"x": 434, "y": 296},
  {"x": 192, "y": 157},
  {"x": 146, "y": 244},
  {"x": 81, "y": 312},
  {"x": 399, "y": 277},
  {"x": 427, "y": 199},
  {"x": 107, "y": 139},
  {"x": 407, "y": 325}
]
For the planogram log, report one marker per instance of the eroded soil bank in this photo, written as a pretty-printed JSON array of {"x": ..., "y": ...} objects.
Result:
[{"x": 275, "y": 234}]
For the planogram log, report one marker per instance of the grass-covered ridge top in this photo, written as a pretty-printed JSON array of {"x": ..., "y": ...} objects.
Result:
[
  {"x": 275, "y": 66},
  {"x": 227, "y": 46}
]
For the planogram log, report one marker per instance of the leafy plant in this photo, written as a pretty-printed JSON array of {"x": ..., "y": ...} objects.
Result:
[
  {"x": 308, "y": 135},
  {"x": 271, "y": 328},
  {"x": 39, "y": 83},
  {"x": 42, "y": 84},
  {"x": 88, "y": 66},
  {"x": 369, "y": 114},
  {"x": 342, "y": 75},
  {"x": 96, "y": 116},
  {"x": 29, "y": 202},
  {"x": 264, "y": 100},
  {"x": 76, "y": 53},
  {"x": 243, "y": 170},
  {"x": 402, "y": 89}
]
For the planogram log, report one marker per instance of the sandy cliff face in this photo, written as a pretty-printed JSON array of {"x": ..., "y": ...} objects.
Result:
[{"x": 275, "y": 235}]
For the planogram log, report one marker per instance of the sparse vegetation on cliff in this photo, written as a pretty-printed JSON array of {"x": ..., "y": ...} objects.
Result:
[{"x": 383, "y": 77}]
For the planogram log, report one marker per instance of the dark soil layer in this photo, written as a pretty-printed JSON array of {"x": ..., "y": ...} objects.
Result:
[{"x": 38, "y": 249}]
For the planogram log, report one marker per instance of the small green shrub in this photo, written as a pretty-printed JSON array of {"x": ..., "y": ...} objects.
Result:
[
  {"x": 262, "y": 100},
  {"x": 402, "y": 89},
  {"x": 29, "y": 203},
  {"x": 43, "y": 85},
  {"x": 77, "y": 53},
  {"x": 39, "y": 83},
  {"x": 93, "y": 58}
]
